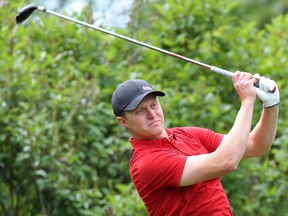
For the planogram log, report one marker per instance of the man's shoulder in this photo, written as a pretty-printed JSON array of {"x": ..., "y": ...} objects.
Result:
[{"x": 188, "y": 130}]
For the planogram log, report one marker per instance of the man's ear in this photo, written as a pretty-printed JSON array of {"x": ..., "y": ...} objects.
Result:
[{"x": 122, "y": 121}]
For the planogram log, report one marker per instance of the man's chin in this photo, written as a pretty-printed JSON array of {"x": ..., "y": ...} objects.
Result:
[{"x": 156, "y": 134}]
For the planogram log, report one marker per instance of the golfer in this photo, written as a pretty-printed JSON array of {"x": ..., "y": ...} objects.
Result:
[{"x": 177, "y": 171}]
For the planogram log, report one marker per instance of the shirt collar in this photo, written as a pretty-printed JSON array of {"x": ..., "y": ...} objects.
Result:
[{"x": 153, "y": 142}]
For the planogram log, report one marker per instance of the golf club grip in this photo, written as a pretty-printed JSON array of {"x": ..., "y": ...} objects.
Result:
[
  {"x": 221, "y": 71},
  {"x": 230, "y": 74}
]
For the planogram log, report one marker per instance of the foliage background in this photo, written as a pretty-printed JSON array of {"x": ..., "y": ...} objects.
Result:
[{"x": 62, "y": 152}]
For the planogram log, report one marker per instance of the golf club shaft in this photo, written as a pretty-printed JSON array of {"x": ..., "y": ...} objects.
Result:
[{"x": 27, "y": 11}]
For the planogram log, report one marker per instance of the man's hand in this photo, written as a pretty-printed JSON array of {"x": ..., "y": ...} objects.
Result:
[
  {"x": 244, "y": 86},
  {"x": 267, "y": 92}
]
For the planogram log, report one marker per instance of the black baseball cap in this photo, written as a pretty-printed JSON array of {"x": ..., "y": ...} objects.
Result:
[{"x": 129, "y": 94}]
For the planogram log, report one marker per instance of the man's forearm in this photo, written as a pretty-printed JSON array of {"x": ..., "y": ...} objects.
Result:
[
  {"x": 262, "y": 136},
  {"x": 235, "y": 142}
]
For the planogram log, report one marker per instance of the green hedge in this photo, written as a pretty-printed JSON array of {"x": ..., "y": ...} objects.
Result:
[{"x": 62, "y": 152}]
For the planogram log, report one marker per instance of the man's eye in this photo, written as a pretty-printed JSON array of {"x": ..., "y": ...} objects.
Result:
[{"x": 154, "y": 105}]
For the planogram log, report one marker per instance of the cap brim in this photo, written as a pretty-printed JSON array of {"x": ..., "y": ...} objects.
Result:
[{"x": 135, "y": 103}]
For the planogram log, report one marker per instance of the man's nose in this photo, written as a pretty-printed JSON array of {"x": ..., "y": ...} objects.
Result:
[{"x": 150, "y": 113}]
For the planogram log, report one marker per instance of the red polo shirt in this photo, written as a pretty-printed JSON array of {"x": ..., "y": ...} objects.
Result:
[{"x": 156, "y": 168}]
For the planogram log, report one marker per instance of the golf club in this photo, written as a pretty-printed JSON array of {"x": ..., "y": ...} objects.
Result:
[{"x": 26, "y": 12}]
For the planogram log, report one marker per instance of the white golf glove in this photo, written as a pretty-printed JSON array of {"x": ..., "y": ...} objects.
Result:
[{"x": 267, "y": 92}]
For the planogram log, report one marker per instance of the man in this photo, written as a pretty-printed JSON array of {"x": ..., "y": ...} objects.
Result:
[{"x": 177, "y": 171}]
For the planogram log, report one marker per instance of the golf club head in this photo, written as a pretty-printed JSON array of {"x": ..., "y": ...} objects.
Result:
[{"x": 25, "y": 13}]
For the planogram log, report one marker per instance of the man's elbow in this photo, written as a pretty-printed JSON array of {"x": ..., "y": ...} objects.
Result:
[
  {"x": 263, "y": 152},
  {"x": 231, "y": 165},
  {"x": 257, "y": 152}
]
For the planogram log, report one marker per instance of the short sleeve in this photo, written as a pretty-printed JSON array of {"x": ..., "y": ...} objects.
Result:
[
  {"x": 209, "y": 139},
  {"x": 159, "y": 169}
]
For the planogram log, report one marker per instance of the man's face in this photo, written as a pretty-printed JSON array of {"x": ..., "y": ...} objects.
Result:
[{"x": 145, "y": 122}]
